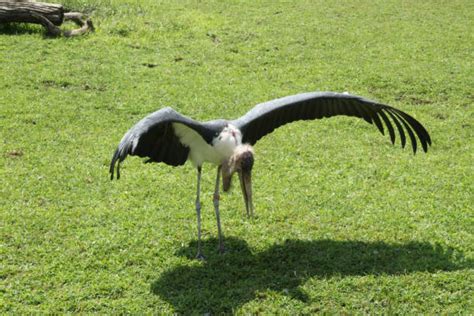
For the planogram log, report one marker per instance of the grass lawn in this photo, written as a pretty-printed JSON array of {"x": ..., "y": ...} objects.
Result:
[{"x": 346, "y": 223}]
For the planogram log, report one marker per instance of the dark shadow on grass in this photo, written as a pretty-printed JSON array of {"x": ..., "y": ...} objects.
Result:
[
  {"x": 224, "y": 282},
  {"x": 20, "y": 29}
]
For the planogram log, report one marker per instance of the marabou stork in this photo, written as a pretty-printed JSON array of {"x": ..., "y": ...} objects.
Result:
[{"x": 169, "y": 137}]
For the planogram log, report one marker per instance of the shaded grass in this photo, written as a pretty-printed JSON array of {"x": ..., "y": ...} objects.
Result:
[
  {"x": 284, "y": 268},
  {"x": 367, "y": 227}
]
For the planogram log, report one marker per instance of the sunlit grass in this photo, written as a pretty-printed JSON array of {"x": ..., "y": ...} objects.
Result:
[{"x": 346, "y": 223}]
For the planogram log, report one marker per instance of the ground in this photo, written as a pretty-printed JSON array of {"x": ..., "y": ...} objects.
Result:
[{"x": 345, "y": 222}]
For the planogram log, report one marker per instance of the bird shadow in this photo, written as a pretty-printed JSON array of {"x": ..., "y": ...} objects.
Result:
[{"x": 222, "y": 283}]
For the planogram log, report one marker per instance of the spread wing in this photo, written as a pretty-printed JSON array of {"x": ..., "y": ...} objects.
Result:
[
  {"x": 154, "y": 137},
  {"x": 266, "y": 117}
]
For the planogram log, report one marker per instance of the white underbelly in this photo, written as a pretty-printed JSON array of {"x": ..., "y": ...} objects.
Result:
[{"x": 199, "y": 150}]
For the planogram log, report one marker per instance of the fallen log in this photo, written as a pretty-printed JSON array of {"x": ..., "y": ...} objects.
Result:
[{"x": 50, "y": 15}]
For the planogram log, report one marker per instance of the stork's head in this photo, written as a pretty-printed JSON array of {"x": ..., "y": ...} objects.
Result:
[{"x": 241, "y": 162}]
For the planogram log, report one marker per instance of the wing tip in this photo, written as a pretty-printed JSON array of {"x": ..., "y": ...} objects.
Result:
[{"x": 112, "y": 165}]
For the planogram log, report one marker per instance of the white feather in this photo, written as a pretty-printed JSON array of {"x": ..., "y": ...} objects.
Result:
[{"x": 222, "y": 147}]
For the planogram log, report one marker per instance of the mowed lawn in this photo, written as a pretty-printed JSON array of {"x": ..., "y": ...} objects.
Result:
[{"x": 345, "y": 222}]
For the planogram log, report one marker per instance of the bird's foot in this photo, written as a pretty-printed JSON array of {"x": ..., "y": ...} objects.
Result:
[{"x": 200, "y": 256}]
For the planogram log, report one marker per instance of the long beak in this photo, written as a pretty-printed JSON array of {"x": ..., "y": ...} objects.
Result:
[
  {"x": 226, "y": 177},
  {"x": 246, "y": 186}
]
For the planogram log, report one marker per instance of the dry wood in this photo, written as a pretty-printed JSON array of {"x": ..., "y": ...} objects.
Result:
[
  {"x": 49, "y": 15},
  {"x": 78, "y": 18},
  {"x": 28, "y": 12}
]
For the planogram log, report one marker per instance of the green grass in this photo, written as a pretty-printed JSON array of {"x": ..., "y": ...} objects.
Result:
[{"x": 346, "y": 223}]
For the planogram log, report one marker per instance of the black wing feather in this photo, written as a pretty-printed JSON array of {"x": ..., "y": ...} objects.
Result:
[
  {"x": 266, "y": 117},
  {"x": 154, "y": 137},
  {"x": 399, "y": 127}
]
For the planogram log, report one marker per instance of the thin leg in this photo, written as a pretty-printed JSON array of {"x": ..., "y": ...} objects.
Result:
[
  {"x": 216, "y": 208},
  {"x": 198, "y": 213}
]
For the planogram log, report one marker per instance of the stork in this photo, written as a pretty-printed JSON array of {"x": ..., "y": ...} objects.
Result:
[{"x": 169, "y": 137}]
